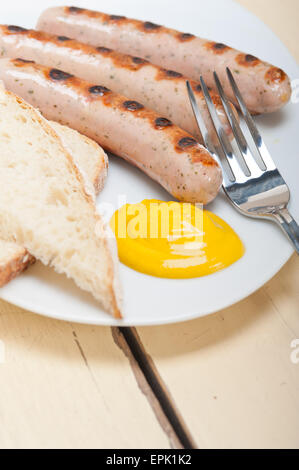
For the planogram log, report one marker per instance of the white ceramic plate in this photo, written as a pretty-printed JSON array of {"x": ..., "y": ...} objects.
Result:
[{"x": 148, "y": 300}]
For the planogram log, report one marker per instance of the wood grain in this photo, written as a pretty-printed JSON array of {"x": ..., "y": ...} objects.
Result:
[
  {"x": 230, "y": 374},
  {"x": 69, "y": 386}
]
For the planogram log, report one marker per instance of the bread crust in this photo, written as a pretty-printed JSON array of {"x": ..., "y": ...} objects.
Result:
[
  {"x": 14, "y": 266},
  {"x": 102, "y": 169},
  {"x": 101, "y": 172}
]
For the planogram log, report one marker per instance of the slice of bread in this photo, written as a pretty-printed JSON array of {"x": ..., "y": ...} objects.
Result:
[
  {"x": 45, "y": 207},
  {"x": 92, "y": 161}
]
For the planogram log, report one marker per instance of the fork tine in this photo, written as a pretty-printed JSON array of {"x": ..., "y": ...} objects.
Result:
[
  {"x": 218, "y": 154},
  {"x": 225, "y": 144},
  {"x": 256, "y": 136},
  {"x": 246, "y": 155},
  {"x": 198, "y": 117}
]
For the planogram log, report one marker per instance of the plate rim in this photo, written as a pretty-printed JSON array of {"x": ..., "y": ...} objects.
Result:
[{"x": 127, "y": 323}]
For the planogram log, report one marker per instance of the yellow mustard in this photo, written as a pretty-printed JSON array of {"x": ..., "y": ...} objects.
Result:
[{"x": 174, "y": 240}]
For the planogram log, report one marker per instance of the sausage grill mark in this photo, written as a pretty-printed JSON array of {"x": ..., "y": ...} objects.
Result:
[
  {"x": 139, "y": 60},
  {"x": 186, "y": 36},
  {"x": 219, "y": 45},
  {"x": 161, "y": 122},
  {"x": 63, "y": 38},
  {"x": 19, "y": 59},
  {"x": 104, "y": 50},
  {"x": 126, "y": 61},
  {"x": 132, "y": 105},
  {"x": 16, "y": 29},
  {"x": 275, "y": 75},
  {"x": 250, "y": 58},
  {"x": 247, "y": 60},
  {"x": 187, "y": 142},
  {"x": 75, "y": 10},
  {"x": 148, "y": 25},
  {"x": 199, "y": 88},
  {"x": 116, "y": 17},
  {"x": 173, "y": 74},
  {"x": 56, "y": 74},
  {"x": 99, "y": 90},
  {"x": 216, "y": 47}
]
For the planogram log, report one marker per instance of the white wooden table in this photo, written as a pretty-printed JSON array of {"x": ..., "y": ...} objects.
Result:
[{"x": 225, "y": 381}]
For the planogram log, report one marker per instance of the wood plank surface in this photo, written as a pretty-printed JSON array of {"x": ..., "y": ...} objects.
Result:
[
  {"x": 69, "y": 386},
  {"x": 281, "y": 16},
  {"x": 231, "y": 373}
]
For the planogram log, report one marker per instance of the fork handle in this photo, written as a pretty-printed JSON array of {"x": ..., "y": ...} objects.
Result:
[{"x": 289, "y": 226}]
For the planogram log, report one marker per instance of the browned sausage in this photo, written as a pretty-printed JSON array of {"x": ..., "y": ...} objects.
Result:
[
  {"x": 265, "y": 88},
  {"x": 125, "y": 127},
  {"x": 161, "y": 90}
]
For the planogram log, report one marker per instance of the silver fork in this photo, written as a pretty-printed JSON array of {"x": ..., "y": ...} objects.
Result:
[{"x": 253, "y": 185}]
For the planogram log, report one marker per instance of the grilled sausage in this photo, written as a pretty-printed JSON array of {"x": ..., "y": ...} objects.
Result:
[
  {"x": 125, "y": 127},
  {"x": 265, "y": 88},
  {"x": 161, "y": 90}
]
